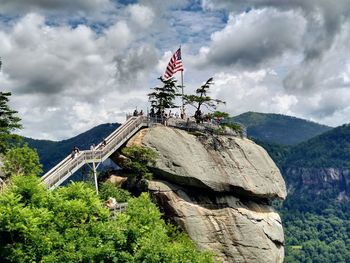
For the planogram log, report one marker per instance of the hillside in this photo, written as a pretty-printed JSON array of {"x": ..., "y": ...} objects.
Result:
[
  {"x": 330, "y": 149},
  {"x": 52, "y": 152},
  {"x": 280, "y": 129}
]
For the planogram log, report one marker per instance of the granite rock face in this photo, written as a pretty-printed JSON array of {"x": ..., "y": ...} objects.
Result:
[
  {"x": 217, "y": 188},
  {"x": 235, "y": 230},
  {"x": 221, "y": 164}
]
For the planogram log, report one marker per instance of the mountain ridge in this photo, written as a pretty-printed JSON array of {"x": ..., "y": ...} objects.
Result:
[{"x": 278, "y": 128}]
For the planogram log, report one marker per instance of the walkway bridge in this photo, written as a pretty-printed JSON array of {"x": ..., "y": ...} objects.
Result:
[{"x": 68, "y": 166}]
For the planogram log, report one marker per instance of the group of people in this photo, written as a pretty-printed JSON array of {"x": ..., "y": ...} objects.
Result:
[
  {"x": 75, "y": 152},
  {"x": 136, "y": 113},
  {"x": 164, "y": 114}
]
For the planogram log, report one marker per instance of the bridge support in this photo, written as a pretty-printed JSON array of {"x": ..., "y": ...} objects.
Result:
[{"x": 95, "y": 176}]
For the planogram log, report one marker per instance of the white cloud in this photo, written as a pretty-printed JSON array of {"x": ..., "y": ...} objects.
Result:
[
  {"x": 250, "y": 39},
  {"x": 69, "y": 70},
  {"x": 252, "y": 90},
  {"x": 21, "y": 7},
  {"x": 142, "y": 15},
  {"x": 328, "y": 71}
]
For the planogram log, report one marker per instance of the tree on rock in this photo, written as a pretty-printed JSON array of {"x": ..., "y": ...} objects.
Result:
[
  {"x": 202, "y": 99},
  {"x": 164, "y": 97}
]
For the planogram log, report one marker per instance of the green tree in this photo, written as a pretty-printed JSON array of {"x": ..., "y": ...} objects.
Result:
[
  {"x": 201, "y": 99},
  {"x": 107, "y": 189},
  {"x": 21, "y": 161},
  {"x": 138, "y": 160},
  {"x": 164, "y": 97}
]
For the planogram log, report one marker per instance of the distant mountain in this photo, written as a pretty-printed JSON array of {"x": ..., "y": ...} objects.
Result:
[
  {"x": 280, "y": 129},
  {"x": 52, "y": 152}
]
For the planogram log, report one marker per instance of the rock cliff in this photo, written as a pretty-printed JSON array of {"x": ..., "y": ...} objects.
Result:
[
  {"x": 218, "y": 188},
  {"x": 316, "y": 181}
]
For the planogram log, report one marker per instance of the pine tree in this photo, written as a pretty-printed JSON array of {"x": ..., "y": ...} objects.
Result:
[
  {"x": 9, "y": 122},
  {"x": 202, "y": 99},
  {"x": 164, "y": 97}
]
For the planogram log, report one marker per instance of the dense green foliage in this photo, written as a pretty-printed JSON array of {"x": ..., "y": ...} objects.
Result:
[
  {"x": 316, "y": 227},
  {"x": 9, "y": 122},
  {"x": 21, "y": 161},
  {"x": 330, "y": 149},
  {"x": 316, "y": 230},
  {"x": 278, "y": 128},
  {"x": 70, "y": 224},
  {"x": 52, "y": 152}
]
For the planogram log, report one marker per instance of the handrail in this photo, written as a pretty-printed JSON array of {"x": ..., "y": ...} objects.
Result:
[
  {"x": 60, "y": 164},
  {"x": 68, "y": 166}
]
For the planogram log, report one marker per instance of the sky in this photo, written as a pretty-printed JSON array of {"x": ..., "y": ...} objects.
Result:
[{"x": 72, "y": 65}]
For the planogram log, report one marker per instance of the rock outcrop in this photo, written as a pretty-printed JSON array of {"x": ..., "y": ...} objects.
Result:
[{"x": 217, "y": 188}]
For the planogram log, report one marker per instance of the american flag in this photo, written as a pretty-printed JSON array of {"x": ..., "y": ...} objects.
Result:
[{"x": 175, "y": 65}]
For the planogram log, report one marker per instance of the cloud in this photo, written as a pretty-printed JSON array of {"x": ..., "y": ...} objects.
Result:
[
  {"x": 328, "y": 72},
  {"x": 141, "y": 15},
  {"x": 49, "y": 60},
  {"x": 63, "y": 74},
  {"x": 324, "y": 22},
  {"x": 257, "y": 90},
  {"x": 136, "y": 65},
  {"x": 251, "y": 39},
  {"x": 57, "y": 60},
  {"x": 22, "y": 7},
  {"x": 261, "y": 91}
]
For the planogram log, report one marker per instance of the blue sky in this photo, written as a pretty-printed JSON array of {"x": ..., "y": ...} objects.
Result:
[{"x": 71, "y": 65}]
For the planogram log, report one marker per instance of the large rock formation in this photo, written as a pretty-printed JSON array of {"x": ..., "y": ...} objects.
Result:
[{"x": 217, "y": 188}]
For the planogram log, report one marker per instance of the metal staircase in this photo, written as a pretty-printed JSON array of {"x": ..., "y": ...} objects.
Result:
[{"x": 68, "y": 166}]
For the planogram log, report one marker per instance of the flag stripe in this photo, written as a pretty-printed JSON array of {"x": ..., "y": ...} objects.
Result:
[{"x": 174, "y": 65}]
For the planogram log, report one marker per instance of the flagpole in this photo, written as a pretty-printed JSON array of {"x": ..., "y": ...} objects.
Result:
[{"x": 182, "y": 88}]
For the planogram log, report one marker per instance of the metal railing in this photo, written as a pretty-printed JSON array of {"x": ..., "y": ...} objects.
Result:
[{"x": 103, "y": 150}]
